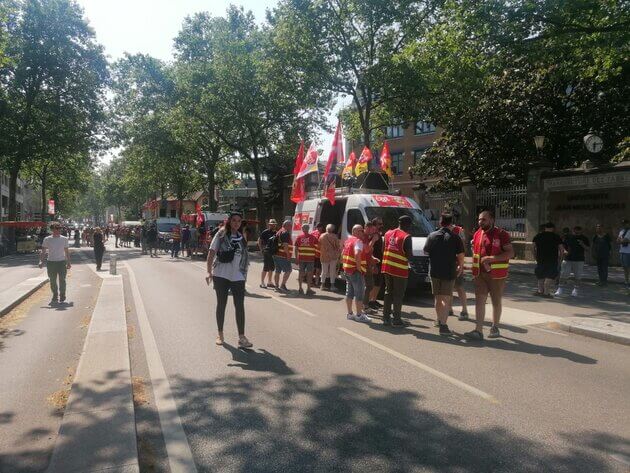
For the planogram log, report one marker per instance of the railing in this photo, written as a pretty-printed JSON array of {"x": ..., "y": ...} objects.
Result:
[{"x": 509, "y": 207}]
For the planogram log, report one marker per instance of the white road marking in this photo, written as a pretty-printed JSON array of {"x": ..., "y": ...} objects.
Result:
[
  {"x": 282, "y": 301},
  {"x": 180, "y": 457},
  {"x": 548, "y": 331},
  {"x": 422, "y": 366},
  {"x": 85, "y": 285}
]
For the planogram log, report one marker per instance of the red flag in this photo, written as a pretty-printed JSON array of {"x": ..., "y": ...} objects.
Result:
[
  {"x": 364, "y": 159},
  {"x": 309, "y": 164},
  {"x": 386, "y": 160},
  {"x": 348, "y": 171},
  {"x": 199, "y": 219},
  {"x": 335, "y": 157},
  {"x": 298, "y": 193}
]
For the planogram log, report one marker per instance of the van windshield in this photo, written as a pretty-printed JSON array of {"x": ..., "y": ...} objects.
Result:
[
  {"x": 166, "y": 227},
  {"x": 420, "y": 226}
]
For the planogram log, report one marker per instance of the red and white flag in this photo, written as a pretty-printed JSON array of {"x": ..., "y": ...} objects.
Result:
[
  {"x": 334, "y": 158},
  {"x": 309, "y": 164}
]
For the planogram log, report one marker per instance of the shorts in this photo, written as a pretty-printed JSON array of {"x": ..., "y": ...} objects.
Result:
[
  {"x": 546, "y": 270},
  {"x": 318, "y": 264},
  {"x": 484, "y": 285},
  {"x": 572, "y": 267},
  {"x": 268, "y": 264},
  {"x": 459, "y": 281},
  {"x": 306, "y": 266},
  {"x": 282, "y": 265},
  {"x": 624, "y": 258},
  {"x": 355, "y": 286},
  {"x": 442, "y": 287}
]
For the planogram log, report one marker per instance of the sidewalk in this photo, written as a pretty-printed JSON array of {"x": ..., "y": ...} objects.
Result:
[
  {"x": 615, "y": 273},
  {"x": 19, "y": 278}
]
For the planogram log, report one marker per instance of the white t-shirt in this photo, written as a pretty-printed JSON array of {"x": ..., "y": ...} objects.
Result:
[
  {"x": 56, "y": 247},
  {"x": 624, "y": 249},
  {"x": 358, "y": 246},
  {"x": 231, "y": 270}
]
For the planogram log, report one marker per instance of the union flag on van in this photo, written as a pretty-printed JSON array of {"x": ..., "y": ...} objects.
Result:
[
  {"x": 298, "y": 191},
  {"x": 310, "y": 162},
  {"x": 334, "y": 158},
  {"x": 348, "y": 170},
  {"x": 386, "y": 160},
  {"x": 364, "y": 159}
]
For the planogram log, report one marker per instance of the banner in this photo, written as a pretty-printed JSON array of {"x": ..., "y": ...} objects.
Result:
[
  {"x": 334, "y": 158},
  {"x": 348, "y": 171},
  {"x": 364, "y": 159},
  {"x": 298, "y": 192},
  {"x": 386, "y": 160}
]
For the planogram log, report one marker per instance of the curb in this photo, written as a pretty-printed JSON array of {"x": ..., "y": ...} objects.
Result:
[
  {"x": 531, "y": 273},
  {"x": 98, "y": 428},
  {"x": 586, "y": 332},
  {"x": 35, "y": 284}
]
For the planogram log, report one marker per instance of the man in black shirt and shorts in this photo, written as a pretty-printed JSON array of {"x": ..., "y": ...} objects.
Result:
[
  {"x": 446, "y": 255},
  {"x": 268, "y": 265},
  {"x": 575, "y": 246},
  {"x": 548, "y": 251}
]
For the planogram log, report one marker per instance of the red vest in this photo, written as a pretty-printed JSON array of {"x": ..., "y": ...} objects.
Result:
[
  {"x": 317, "y": 234},
  {"x": 395, "y": 261},
  {"x": 348, "y": 260},
  {"x": 498, "y": 269},
  {"x": 306, "y": 248},
  {"x": 176, "y": 234},
  {"x": 281, "y": 252}
]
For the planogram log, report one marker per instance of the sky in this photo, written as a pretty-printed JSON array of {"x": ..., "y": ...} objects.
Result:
[{"x": 149, "y": 27}]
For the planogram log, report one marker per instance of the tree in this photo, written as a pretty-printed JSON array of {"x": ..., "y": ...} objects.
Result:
[
  {"x": 52, "y": 86},
  {"x": 349, "y": 47},
  {"x": 498, "y": 73}
]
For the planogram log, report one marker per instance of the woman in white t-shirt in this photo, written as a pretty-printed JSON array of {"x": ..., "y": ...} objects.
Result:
[{"x": 227, "y": 267}]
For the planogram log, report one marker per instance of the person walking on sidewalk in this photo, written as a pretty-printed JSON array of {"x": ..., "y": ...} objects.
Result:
[
  {"x": 602, "y": 246},
  {"x": 227, "y": 265},
  {"x": 396, "y": 253},
  {"x": 282, "y": 259},
  {"x": 446, "y": 257},
  {"x": 624, "y": 250},
  {"x": 152, "y": 240},
  {"x": 573, "y": 263},
  {"x": 548, "y": 250},
  {"x": 354, "y": 265},
  {"x": 305, "y": 246},
  {"x": 492, "y": 251},
  {"x": 99, "y": 248},
  {"x": 263, "y": 242},
  {"x": 330, "y": 250},
  {"x": 56, "y": 248}
]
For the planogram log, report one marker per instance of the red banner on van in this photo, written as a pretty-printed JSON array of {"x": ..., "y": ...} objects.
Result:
[{"x": 384, "y": 200}]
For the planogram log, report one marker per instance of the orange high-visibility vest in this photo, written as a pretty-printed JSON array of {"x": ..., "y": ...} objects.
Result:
[
  {"x": 305, "y": 245},
  {"x": 498, "y": 269},
  {"x": 317, "y": 234},
  {"x": 395, "y": 261},
  {"x": 281, "y": 253},
  {"x": 176, "y": 234},
  {"x": 348, "y": 260}
]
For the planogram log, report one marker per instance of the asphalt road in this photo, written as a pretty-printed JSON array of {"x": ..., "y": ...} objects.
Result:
[{"x": 321, "y": 393}]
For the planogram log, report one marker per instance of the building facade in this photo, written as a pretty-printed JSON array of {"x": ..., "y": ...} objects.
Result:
[{"x": 27, "y": 200}]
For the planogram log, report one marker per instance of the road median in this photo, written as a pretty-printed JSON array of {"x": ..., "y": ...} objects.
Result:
[
  {"x": 603, "y": 329},
  {"x": 10, "y": 298}
]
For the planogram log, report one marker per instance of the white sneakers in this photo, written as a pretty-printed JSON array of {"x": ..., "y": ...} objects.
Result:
[
  {"x": 359, "y": 318},
  {"x": 558, "y": 292},
  {"x": 574, "y": 293}
]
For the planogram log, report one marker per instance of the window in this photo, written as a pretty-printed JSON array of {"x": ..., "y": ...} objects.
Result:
[
  {"x": 417, "y": 155},
  {"x": 354, "y": 217},
  {"x": 397, "y": 163},
  {"x": 394, "y": 131},
  {"x": 423, "y": 128}
]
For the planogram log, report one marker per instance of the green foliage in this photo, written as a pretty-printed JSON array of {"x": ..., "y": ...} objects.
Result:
[{"x": 498, "y": 73}]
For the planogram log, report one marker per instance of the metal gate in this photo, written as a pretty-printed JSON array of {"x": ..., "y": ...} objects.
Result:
[
  {"x": 509, "y": 206},
  {"x": 438, "y": 202}
]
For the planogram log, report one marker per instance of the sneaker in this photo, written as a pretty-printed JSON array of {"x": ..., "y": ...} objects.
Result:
[
  {"x": 558, "y": 292},
  {"x": 351, "y": 316},
  {"x": 363, "y": 318},
  {"x": 310, "y": 292},
  {"x": 244, "y": 343},
  {"x": 387, "y": 321},
  {"x": 62, "y": 299},
  {"x": 283, "y": 289},
  {"x": 378, "y": 304},
  {"x": 373, "y": 305},
  {"x": 271, "y": 286},
  {"x": 301, "y": 291},
  {"x": 575, "y": 293},
  {"x": 494, "y": 332},
  {"x": 474, "y": 335},
  {"x": 398, "y": 323},
  {"x": 444, "y": 330},
  {"x": 463, "y": 316},
  {"x": 436, "y": 323},
  {"x": 263, "y": 286},
  {"x": 53, "y": 301}
]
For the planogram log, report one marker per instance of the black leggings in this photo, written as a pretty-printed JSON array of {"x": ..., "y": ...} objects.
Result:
[{"x": 222, "y": 286}]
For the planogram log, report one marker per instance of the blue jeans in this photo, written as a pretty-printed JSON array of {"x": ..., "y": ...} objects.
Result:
[{"x": 355, "y": 286}]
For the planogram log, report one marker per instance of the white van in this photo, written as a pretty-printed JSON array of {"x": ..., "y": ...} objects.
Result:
[
  {"x": 165, "y": 226},
  {"x": 213, "y": 219},
  {"x": 350, "y": 209}
]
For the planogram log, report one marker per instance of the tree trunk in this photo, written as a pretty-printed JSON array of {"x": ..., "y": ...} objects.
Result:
[
  {"x": 210, "y": 170},
  {"x": 13, "y": 176},
  {"x": 262, "y": 210},
  {"x": 44, "y": 203}
]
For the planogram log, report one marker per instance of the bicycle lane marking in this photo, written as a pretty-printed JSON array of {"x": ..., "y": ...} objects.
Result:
[{"x": 180, "y": 458}]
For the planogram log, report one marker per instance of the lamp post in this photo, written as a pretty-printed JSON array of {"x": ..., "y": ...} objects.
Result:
[{"x": 539, "y": 141}]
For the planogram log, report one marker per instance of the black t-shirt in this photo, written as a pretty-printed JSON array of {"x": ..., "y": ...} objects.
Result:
[
  {"x": 152, "y": 235},
  {"x": 443, "y": 246},
  {"x": 547, "y": 247},
  {"x": 602, "y": 245},
  {"x": 377, "y": 249},
  {"x": 576, "y": 252},
  {"x": 265, "y": 236}
]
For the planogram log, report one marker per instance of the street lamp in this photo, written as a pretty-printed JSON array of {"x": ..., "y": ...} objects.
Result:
[{"x": 539, "y": 141}]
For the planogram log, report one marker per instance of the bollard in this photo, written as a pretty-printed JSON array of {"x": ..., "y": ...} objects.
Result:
[{"x": 112, "y": 264}]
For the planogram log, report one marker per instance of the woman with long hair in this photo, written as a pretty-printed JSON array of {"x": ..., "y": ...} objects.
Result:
[
  {"x": 227, "y": 268},
  {"x": 99, "y": 247}
]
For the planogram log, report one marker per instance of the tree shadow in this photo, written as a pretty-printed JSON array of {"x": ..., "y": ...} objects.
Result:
[{"x": 284, "y": 424}]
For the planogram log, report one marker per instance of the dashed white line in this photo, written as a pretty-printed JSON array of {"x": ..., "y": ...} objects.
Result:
[{"x": 422, "y": 366}]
